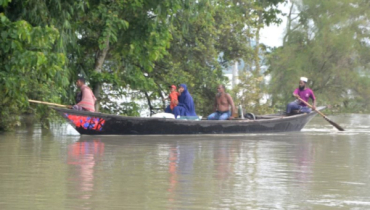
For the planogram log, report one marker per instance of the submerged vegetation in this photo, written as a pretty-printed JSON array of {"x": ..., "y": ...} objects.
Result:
[{"x": 145, "y": 45}]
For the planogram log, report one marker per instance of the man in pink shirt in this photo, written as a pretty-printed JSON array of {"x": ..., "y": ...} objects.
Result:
[
  {"x": 305, "y": 94},
  {"x": 85, "y": 99}
]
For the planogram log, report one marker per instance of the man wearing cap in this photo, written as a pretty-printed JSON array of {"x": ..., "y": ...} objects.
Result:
[
  {"x": 174, "y": 95},
  {"x": 304, "y": 93}
]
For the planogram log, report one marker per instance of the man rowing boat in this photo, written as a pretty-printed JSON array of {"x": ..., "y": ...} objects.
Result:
[{"x": 305, "y": 94}]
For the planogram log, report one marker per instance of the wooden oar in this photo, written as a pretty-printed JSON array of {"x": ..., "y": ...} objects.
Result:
[
  {"x": 48, "y": 103},
  {"x": 325, "y": 117}
]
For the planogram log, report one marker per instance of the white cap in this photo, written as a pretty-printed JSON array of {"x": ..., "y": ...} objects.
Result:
[{"x": 304, "y": 79}]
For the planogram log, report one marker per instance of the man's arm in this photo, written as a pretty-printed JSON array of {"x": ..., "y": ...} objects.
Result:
[{"x": 231, "y": 103}]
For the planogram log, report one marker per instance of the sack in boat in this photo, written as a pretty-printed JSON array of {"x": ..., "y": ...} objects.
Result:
[{"x": 164, "y": 115}]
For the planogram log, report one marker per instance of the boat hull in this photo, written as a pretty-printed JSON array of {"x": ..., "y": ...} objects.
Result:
[{"x": 88, "y": 123}]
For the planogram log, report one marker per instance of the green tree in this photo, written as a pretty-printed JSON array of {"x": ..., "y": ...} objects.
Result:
[
  {"x": 120, "y": 41},
  {"x": 208, "y": 37},
  {"x": 326, "y": 42},
  {"x": 251, "y": 95},
  {"x": 137, "y": 45},
  {"x": 29, "y": 68}
]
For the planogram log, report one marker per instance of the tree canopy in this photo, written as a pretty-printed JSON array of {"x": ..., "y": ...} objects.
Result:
[
  {"x": 328, "y": 42},
  {"x": 141, "y": 45}
]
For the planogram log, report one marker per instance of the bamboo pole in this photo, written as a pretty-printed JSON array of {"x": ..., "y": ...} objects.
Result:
[{"x": 48, "y": 103}]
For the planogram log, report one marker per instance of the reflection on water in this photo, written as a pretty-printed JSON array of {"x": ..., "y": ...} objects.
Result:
[
  {"x": 318, "y": 168},
  {"x": 172, "y": 170},
  {"x": 82, "y": 156}
]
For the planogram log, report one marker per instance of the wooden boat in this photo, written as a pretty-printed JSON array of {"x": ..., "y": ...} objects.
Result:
[{"x": 90, "y": 123}]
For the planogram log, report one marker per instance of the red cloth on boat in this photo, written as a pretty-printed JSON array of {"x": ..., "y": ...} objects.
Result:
[
  {"x": 88, "y": 99},
  {"x": 174, "y": 95}
]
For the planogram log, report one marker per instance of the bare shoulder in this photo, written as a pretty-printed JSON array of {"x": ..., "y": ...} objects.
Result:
[{"x": 229, "y": 98}]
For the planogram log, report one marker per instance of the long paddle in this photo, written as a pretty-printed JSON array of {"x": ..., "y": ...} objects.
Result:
[
  {"x": 325, "y": 117},
  {"x": 48, "y": 103}
]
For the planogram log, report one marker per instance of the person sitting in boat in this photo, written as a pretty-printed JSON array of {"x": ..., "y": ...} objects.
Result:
[
  {"x": 222, "y": 105},
  {"x": 85, "y": 99},
  {"x": 173, "y": 97},
  {"x": 185, "y": 107},
  {"x": 304, "y": 93}
]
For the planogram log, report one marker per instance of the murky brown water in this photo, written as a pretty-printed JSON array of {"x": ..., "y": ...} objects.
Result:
[{"x": 318, "y": 168}]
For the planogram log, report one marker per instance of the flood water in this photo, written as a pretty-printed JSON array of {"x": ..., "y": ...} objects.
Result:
[{"x": 317, "y": 168}]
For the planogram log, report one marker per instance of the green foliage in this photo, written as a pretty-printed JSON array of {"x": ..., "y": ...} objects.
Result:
[
  {"x": 206, "y": 38},
  {"x": 105, "y": 77},
  {"x": 4, "y": 3},
  {"x": 141, "y": 45},
  {"x": 124, "y": 109},
  {"x": 250, "y": 92},
  {"x": 328, "y": 47},
  {"x": 29, "y": 68},
  {"x": 122, "y": 38}
]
